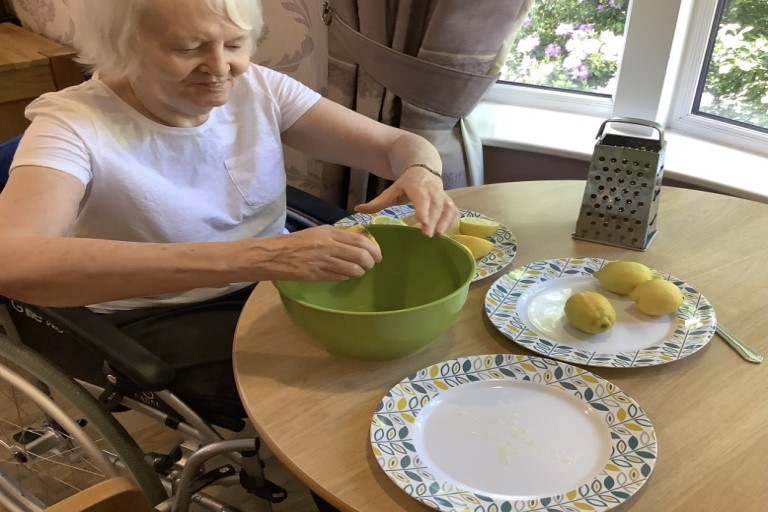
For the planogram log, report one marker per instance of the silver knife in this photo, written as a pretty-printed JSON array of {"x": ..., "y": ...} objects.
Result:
[{"x": 746, "y": 352}]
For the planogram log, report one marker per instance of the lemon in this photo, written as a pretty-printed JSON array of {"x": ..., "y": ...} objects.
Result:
[
  {"x": 657, "y": 297},
  {"x": 360, "y": 229},
  {"x": 383, "y": 219},
  {"x": 622, "y": 276},
  {"x": 357, "y": 228},
  {"x": 453, "y": 230},
  {"x": 476, "y": 226},
  {"x": 590, "y": 312},
  {"x": 479, "y": 247},
  {"x": 410, "y": 220}
]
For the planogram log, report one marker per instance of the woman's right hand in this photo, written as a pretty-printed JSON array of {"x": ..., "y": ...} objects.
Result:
[{"x": 323, "y": 253}]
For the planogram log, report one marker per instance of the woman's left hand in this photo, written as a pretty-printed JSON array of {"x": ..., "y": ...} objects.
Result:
[{"x": 434, "y": 209}]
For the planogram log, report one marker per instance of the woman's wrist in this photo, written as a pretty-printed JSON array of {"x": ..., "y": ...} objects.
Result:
[{"x": 427, "y": 168}]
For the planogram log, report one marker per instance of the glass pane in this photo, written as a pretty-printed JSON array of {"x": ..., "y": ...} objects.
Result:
[
  {"x": 569, "y": 44},
  {"x": 734, "y": 81}
]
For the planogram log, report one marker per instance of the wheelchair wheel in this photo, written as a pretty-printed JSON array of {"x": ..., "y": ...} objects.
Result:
[{"x": 55, "y": 439}]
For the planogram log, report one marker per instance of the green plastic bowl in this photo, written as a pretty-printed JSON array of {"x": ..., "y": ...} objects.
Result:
[{"x": 397, "y": 307}]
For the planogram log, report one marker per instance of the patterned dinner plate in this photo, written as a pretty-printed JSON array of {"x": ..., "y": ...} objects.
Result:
[
  {"x": 504, "y": 242},
  {"x": 526, "y": 305},
  {"x": 506, "y": 432}
]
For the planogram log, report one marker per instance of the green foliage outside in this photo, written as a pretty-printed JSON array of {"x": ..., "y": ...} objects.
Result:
[
  {"x": 737, "y": 83},
  {"x": 577, "y": 45}
]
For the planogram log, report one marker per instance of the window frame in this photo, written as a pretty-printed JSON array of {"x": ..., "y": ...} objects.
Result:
[
  {"x": 657, "y": 77},
  {"x": 680, "y": 117}
]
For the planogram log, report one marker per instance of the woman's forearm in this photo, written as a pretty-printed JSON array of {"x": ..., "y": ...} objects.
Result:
[
  {"x": 58, "y": 271},
  {"x": 410, "y": 149},
  {"x": 74, "y": 271}
]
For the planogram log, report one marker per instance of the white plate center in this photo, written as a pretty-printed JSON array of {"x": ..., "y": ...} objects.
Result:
[
  {"x": 511, "y": 438},
  {"x": 542, "y": 309}
]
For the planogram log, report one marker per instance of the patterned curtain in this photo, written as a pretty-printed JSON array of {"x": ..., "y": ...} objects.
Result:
[
  {"x": 49, "y": 18},
  {"x": 295, "y": 42},
  {"x": 453, "y": 39}
]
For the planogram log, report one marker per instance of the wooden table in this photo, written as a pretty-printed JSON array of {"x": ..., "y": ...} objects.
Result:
[
  {"x": 30, "y": 65},
  {"x": 709, "y": 410}
]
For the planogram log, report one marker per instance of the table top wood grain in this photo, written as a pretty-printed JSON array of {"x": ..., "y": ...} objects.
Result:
[
  {"x": 710, "y": 410},
  {"x": 20, "y": 48}
]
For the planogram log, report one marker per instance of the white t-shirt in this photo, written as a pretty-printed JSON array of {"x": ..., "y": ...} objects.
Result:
[{"x": 220, "y": 181}]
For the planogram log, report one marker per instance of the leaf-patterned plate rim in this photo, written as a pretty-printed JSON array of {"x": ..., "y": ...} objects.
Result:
[
  {"x": 504, "y": 241},
  {"x": 633, "y": 440},
  {"x": 695, "y": 327}
]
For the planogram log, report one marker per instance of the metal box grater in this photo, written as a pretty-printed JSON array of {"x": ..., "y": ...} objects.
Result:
[{"x": 621, "y": 196}]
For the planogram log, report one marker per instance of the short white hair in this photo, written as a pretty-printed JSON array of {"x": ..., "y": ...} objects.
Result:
[{"x": 108, "y": 36}]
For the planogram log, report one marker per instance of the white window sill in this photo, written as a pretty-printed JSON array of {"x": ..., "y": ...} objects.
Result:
[{"x": 687, "y": 160}]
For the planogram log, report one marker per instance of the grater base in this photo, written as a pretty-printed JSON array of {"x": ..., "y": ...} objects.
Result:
[{"x": 640, "y": 249}]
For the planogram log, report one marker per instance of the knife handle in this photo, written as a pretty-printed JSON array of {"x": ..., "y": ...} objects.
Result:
[{"x": 746, "y": 352}]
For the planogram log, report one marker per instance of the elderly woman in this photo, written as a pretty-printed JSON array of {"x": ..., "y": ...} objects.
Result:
[{"x": 155, "y": 192}]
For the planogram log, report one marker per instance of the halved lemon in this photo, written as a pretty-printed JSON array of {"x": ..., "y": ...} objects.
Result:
[
  {"x": 479, "y": 247},
  {"x": 410, "y": 220},
  {"x": 477, "y": 226},
  {"x": 383, "y": 219},
  {"x": 360, "y": 230},
  {"x": 356, "y": 228}
]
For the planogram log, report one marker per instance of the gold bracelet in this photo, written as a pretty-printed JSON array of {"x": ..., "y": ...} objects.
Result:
[{"x": 425, "y": 166}]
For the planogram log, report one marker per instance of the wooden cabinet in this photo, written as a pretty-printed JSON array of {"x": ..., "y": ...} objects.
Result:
[{"x": 30, "y": 65}]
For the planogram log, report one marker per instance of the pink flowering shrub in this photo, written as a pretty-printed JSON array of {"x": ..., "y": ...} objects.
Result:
[{"x": 569, "y": 44}]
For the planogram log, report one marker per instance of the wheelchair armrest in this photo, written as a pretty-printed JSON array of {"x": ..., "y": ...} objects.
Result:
[
  {"x": 313, "y": 210},
  {"x": 126, "y": 355},
  {"x": 121, "y": 352}
]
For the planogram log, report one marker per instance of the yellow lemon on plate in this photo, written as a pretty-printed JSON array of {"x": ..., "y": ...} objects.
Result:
[
  {"x": 590, "y": 312},
  {"x": 356, "y": 228},
  {"x": 657, "y": 297},
  {"x": 383, "y": 219},
  {"x": 477, "y": 226},
  {"x": 622, "y": 276},
  {"x": 360, "y": 230},
  {"x": 479, "y": 247},
  {"x": 410, "y": 220},
  {"x": 453, "y": 230}
]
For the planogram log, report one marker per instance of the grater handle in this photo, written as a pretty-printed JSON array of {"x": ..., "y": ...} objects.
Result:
[{"x": 633, "y": 120}]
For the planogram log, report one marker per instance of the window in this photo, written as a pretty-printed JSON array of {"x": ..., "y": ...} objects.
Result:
[
  {"x": 696, "y": 66},
  {"x": 733, "y": 84},
  {"x": 569, "y": 45}
]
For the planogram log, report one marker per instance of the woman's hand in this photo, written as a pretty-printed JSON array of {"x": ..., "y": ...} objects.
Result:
[
  {"x": 333, "y": 133},
  {"x": 324, "y": 253},
  {"x": 434, "y": 209}
]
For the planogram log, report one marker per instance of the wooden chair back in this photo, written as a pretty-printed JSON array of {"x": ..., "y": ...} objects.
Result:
[{"x": 117, "y": 494}]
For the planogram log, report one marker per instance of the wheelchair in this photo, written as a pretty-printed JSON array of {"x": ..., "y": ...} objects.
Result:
[{"x": 67, "y": 375}]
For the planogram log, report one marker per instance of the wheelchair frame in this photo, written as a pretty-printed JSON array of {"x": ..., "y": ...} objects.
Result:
[{"x": 137, "y": 380}]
